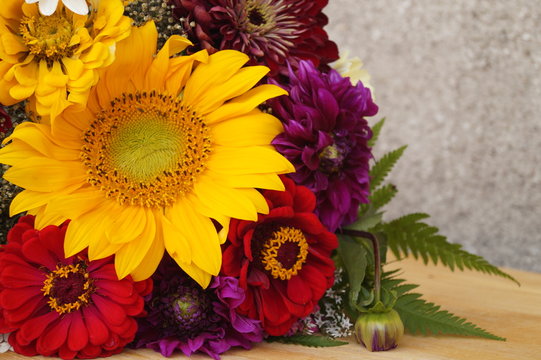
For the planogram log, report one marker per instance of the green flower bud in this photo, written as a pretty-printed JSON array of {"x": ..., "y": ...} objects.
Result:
[{"x": 379, "y": 331}]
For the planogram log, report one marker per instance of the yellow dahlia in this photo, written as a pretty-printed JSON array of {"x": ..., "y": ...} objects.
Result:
[
  {"x": 161, "y": 156},
  {"x": 54, "y": 60}
]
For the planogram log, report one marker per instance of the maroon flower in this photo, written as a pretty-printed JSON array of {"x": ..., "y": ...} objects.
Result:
[
  {"x": 5, "y": 123},
  {"x": 271, "y": 32},
  {"x": 66, "y": 307},
  {"x": 326, "y": 138},
  {"x": 283, "y": 260}
]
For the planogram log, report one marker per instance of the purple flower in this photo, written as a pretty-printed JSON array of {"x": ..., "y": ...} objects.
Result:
[
  {"x": 326, "y": 138},
  {"x": 183, "y": 316}
]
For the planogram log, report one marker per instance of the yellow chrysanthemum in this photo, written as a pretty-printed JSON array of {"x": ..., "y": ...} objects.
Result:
[
  {"x": 160, "y": 151},
  {"x": 54, "y": 60}
]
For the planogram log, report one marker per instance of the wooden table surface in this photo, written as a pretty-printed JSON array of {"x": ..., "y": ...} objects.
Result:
[{"x": 496, "y": 304}]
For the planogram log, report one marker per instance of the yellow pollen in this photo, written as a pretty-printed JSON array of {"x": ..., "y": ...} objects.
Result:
[
  {"x": 48, "y": 37},
  {"x": 58, "y": 293},
  {"x": 276, "y": 250},
  {"x": 146, "y": 149},
  {"x": 259, "y": 16}
]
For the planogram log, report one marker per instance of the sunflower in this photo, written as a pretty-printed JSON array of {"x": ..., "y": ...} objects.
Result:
[
  {"x": 54, "y": 60},
  {"x": 158, "y": 155}
]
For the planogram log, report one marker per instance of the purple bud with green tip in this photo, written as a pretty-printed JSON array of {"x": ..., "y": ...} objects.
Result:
[{"x": 379, "y": 331}]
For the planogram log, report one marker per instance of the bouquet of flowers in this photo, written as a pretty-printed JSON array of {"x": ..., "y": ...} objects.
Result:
[{"x": 196, "y": 175}]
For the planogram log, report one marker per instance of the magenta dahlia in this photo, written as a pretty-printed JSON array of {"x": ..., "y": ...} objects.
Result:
[
  {"x": 183, "y": 316},
  {"x": 271, "y": 32},
  {"x": 65, "y": 307},
  {"x": 326, "y": 138}
]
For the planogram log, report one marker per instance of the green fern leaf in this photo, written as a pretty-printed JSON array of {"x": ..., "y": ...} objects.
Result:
[
  {"x": 376, "y": 129},
  {"x": 421, "y": 316},
  {"x": 382, "y": 196},
  {"x": 383, "y": 166},
  {"x": 409, "y": 235},
  {"x": 307, "y": 340}
]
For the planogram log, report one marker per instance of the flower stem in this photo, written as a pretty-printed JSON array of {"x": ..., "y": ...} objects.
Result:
[{"x": 377, "y": 260}]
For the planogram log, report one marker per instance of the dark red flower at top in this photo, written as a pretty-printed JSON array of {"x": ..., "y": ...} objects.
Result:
[
  {"x": 283, "y": 260},
  {"x": 271, "y": 32},
  {"x": 5, "y": 122},
  {"x": 65, "y": 307}
]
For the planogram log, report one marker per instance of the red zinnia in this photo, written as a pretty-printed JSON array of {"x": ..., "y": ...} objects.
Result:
[
  {"x": 66, "y": 307},
  {"x": 283, "y": 260},
  {"x": 5, "y": 123}
]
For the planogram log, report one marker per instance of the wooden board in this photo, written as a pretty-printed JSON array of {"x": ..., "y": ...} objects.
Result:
[{"x": 495, "y": 304}]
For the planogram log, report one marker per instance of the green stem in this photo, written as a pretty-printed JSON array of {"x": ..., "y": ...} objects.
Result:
[{"x": 377, "y": 259}]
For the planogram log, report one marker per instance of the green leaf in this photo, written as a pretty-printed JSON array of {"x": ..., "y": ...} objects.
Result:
[
  {"x": 353, "y": 256},
  {"x": 421, "y": 316},
  {"x": 367, "y": 221},
  {"x": 383, "y": 166},
  {"x": 382, "y": 196},
  {"x": 307, "y": 340},
  {"x": 408, "y": 234},
  {"x": 376, "y": 129}
]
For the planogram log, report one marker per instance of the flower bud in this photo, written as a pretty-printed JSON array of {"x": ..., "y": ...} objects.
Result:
[{"x": 379, "y": 331}]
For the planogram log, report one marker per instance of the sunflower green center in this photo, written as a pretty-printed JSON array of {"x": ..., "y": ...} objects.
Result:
[
  {"x": 48, "y": 37},
  {"x": 284, "y": 253},
  {"x": 146, "y": 149},
  {"x": 68, "y": 288}
]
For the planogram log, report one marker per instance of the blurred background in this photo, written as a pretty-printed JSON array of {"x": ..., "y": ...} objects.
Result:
[{"x": 459, "y": 82}]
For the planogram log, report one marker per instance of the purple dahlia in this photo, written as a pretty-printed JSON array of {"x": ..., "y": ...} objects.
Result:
[
  {"x": 326, "y": 138},
  {"x": 183, "y": 316},
  {"x": 271, "y": 32}
]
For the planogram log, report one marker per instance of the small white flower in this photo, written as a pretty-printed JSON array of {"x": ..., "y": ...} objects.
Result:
[
  {"x": 352, "y": 68},
  {"x": 4, "y": 344},
  {"x": 48, "y": 7}
]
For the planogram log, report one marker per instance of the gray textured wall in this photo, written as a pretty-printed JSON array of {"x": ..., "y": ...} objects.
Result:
[{"x": 460, "y": 82}]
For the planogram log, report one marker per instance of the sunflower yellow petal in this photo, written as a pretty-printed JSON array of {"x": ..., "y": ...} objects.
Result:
[
  {"x": 76, "y": 203},
  {"x": 200, "y": 231},
  {"x": 81, "y": 232},
  {"x": 200, "y": 276},
  {"x": 245, "y": 103},
  {"x": 259, "y": 181},
  {"x": 150, "y": 262},
  {"x": 27, "y": 199},
  {"x": 219, "y": 68},
  {"x": 129, "y": 223},
  {"x": 180, "y": 70},
  {"x": 45, "y": 218},
  {"x": 227, "y": 201},
  {"x": 238, "y": 84},
  {"x": 262, "y": 128},
  {"x": 175, "y": 241},
  {"x": 42, "y": 174},
  {"x": 100, "y": 248},
  {"x": 130, "y": 256},
  {"x": 249, "y": 160}
]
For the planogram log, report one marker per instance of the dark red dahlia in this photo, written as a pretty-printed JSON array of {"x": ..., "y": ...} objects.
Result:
[
  {"x": 271, "y": 32},
  {"x": 65, "y": 307},
  {"x": 283, "y": 260},
  {"x": 5, "y": 123},
  {"x": 326, "y": 137}
]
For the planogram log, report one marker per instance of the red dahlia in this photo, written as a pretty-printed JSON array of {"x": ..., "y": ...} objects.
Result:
[
  {"x": 271, "y": 32},
  {"x": 66, "y": 307},
  {"x": 283, "y": 260}
]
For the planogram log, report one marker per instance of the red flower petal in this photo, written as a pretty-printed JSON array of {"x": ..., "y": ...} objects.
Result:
[
  {"x": 98, "y": 333},
  {"x": 78, "y": 333},
  {"x": 120, "y": 288},
  {"x": 110, "y": 311},
  {"x": 34, "y": 327},
  {"x": 34, "y": 251},
  {"x": 14, "y": 298},
  {"x": 54, "y": 336},
  {"x": 25, "y": 310},
  {"x": 298, "y": 290}
]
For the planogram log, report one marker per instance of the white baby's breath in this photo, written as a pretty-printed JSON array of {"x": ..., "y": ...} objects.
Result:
[{"x": 4, "y": 344}]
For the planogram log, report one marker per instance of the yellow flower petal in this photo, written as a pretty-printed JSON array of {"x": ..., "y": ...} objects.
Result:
[
  {"x": 150, "y": 262},
  {"x": 245, "y": 103},
  {"x": 249, "y": 160}
]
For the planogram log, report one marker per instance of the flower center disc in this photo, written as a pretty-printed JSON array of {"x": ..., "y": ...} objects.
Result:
[
  {"x": 284, "y": 253},
  {"x": 48, "y": 37},
  {"x": 146, "y": 149},
  {"x": 259, "y": 16},
  {"x": 68, "y": 288}
]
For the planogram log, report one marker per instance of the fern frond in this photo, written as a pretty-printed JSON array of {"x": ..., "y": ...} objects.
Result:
[
  {"x": 408, "y": 234},
  {"x": 376, "y": 129},
  {"x": 382, "y": 196},
  {"x": 425, "y": 317},
  {"x": 307, "y": 340},
  {"x": 383, "y": 166}
]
